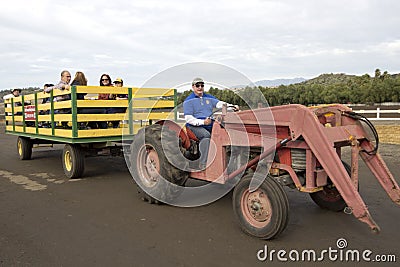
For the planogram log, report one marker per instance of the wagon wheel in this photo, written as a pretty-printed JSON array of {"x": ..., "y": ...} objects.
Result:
[
  {"x": 263, "y": 213},
  {"x": 73, "y": 161},
  {"x": 329, "y": 197},
  {"x": 155, "y": 176},
  {"x": 24, "y": 146}
]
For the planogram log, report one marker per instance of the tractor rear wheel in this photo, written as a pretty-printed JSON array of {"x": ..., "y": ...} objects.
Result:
[
  {"x": 24, "y": 146},
  {"x": 329, "y": 197},
  {"x": 263, "y": 213},
  {"x": 73, "y": 160},
  {"x": 155, "y": 176}
]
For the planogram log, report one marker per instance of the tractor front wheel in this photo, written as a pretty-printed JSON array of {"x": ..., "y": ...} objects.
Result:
[{"x": 262, "y": 213}]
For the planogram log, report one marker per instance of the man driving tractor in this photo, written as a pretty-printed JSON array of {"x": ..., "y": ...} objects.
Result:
[{"x": 198, "y": 108}]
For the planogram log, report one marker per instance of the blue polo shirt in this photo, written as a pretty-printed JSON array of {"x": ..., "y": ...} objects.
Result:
[{"x": 200, "y": 107}]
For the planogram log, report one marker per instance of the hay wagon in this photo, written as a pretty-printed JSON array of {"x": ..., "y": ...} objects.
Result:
[{"x": 37, "y": 119}]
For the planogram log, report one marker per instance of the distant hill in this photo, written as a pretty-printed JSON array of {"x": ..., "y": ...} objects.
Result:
[
  {"x": 380, "y": 87},
  {"x": 331, "y": 78},
  {"x": 277, "y": 82},
  {"x": 272, "y": 83},
  {"x": 342, "y": 78},
  {"x": 324, "y": 79}
]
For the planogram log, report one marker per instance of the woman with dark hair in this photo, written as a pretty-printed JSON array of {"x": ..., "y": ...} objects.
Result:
[{"x": 105, "y": 80}]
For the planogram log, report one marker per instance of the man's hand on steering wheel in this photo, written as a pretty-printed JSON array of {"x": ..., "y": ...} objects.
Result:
[
  {"x": 207, "y": 121},
  {"x": 234, "y": 107}
]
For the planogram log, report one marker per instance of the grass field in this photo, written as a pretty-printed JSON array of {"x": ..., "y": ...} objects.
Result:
[{"x": 388, "y": 133}]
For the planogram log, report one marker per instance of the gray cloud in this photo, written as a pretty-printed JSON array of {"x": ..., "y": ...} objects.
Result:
[{"x": 137, "y": 39}]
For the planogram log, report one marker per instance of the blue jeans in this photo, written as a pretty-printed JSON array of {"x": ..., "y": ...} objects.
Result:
[{"x": 204, "y": 137}]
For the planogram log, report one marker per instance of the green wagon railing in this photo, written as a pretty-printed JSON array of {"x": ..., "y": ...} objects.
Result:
[{"x": 26, "y": 115}]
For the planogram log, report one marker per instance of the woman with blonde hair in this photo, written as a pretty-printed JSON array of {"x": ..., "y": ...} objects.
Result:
[{"x": 79, "y": 80}]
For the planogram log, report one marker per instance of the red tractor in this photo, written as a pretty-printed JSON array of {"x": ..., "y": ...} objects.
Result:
[{"x": 294, "y": 146}]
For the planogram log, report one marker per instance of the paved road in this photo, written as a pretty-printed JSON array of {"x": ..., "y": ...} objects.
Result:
[{"x": 47, "y": 220}]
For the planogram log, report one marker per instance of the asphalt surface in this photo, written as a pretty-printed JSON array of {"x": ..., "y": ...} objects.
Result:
[{"x": 99, "y": 220}]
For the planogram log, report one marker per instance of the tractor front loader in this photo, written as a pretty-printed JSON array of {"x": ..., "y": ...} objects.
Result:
[{"x": 301, "y": 147}]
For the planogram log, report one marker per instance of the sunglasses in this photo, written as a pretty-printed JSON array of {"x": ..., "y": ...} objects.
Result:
[
  {"x": 105, "y": 79},
  {"x": 198, "y": 85}
]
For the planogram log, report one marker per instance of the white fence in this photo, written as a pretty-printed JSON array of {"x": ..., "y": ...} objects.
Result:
[
  {"x": 395, "y": 114},
  {"x": 181, "y": 116}
]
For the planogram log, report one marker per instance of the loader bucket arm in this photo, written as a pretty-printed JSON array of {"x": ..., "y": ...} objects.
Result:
[
  {"x": 378, "y": 167},
  {"x": 323, "y": 140},
  {"x": 304, "y": 122}
]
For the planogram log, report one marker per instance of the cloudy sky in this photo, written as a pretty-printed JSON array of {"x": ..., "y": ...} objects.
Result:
[{"x": 136, "y": 39}]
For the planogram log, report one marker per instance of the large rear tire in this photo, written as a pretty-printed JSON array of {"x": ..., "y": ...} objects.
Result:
[
  {"x": 155, "y": 176},
  {"x": 24, "y": 146},
  {"x": 329, "y": 197},
  {"x": 73, "y": 161},
  {"x": 263, "y": 213}
]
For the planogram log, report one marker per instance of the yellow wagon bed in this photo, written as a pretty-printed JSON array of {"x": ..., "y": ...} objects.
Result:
[
  {"x": 39, "y": 119},
  {"x": 143, "y": 106}
]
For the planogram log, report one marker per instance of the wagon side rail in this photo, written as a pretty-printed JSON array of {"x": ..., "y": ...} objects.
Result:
[{"x": 26, "y": 115}]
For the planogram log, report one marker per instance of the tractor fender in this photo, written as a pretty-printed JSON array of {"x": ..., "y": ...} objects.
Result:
[{"x": 179, "y": 131}]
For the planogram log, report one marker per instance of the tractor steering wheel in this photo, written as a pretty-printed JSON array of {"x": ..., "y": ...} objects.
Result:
[{"x": 233, "y": 108}]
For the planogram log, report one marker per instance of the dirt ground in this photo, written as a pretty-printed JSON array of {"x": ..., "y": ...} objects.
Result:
[{"x": 48, "y": 220}]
